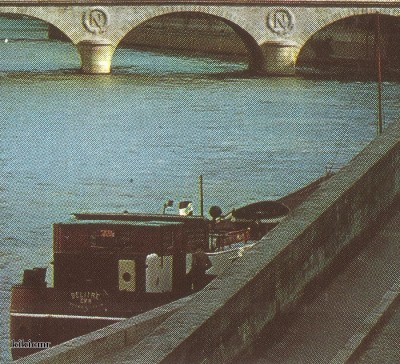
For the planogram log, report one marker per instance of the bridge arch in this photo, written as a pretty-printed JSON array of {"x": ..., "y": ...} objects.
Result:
[
  {"x": 346, "y": 42},
  {"x": 27, "y": 46},
  {"x": 331, "y": 17},
  {"x": 32, "y": 13},
  {"x": 244, "y": 31}
]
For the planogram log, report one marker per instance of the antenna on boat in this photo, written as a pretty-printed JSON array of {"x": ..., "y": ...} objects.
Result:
[
  {"x": 379, "y": 72},
  {"x": 201, "y": 197}
]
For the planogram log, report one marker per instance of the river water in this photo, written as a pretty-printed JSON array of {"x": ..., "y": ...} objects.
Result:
[{"x": 130, "y": 140}]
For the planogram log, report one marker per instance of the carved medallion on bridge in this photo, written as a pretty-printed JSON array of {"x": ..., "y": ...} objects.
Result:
[
  {"x": 280, "y": 21},
  {"x": 96, "y": 20}
]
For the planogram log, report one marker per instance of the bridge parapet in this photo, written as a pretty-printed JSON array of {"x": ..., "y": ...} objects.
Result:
[{"x": 295, "y": 3}]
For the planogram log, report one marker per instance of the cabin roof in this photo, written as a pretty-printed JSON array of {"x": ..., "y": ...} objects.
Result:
[
  {"x": 119, "y": 222},
  {"x": 133, "y": 216}
]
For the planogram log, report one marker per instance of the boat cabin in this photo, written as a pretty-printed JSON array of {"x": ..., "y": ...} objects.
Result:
[{"x": 120, "y": 256}]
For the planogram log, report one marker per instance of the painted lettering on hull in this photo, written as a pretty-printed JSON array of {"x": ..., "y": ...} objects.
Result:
[{"x": 86, "y": 299}]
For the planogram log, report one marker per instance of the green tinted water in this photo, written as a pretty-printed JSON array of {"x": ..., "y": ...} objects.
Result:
[{"x": 130, "y": 140}]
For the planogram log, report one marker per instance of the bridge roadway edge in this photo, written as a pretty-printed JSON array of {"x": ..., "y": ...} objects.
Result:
[
  {"x": 220, "y": 322},
  {"x": 289, "y": 3}
]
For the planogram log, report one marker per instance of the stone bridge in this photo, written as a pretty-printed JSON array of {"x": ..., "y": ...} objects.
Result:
[{"x": 273, "y": 31}]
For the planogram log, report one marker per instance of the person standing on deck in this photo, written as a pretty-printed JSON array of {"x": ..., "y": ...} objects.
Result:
[{"x": 200, "y": 264}]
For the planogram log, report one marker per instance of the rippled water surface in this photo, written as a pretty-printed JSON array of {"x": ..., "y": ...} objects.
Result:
[{"x": 132, "y": 139}]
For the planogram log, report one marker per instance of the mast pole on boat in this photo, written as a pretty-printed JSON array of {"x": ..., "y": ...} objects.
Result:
[
  {"x": 379, "y": 72},
  {"x": 201, "y": 197}
]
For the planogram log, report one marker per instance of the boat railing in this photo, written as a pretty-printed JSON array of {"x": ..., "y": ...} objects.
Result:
[{"x": 221, "y": 239}]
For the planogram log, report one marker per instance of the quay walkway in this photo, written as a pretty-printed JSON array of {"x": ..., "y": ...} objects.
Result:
[
  {"x": 352, "y": 316},
  {"x": 385, "y": 347}
]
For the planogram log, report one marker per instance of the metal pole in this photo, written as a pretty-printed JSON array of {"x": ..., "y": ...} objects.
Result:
[
  {"x": 379, "y": 72},
  {"x": 201, "y": 197}
]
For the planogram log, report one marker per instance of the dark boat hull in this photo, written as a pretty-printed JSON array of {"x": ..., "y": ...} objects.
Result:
[
  {"x": 45, "y": 331},
  {"x": 52, "y": 316}
]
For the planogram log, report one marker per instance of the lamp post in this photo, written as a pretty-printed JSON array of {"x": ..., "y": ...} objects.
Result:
[{"x": 379, "y": 72}]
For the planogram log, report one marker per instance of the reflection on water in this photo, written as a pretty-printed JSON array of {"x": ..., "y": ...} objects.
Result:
[{"x": 132, "y": 139}]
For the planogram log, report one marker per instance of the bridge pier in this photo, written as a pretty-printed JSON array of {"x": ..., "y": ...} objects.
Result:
[
  {"x": 280, "y": 58},
  {"x": 95, "y": 56}
]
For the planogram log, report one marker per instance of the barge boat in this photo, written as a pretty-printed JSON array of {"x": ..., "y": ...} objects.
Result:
[{"x": 111, "y": 266}]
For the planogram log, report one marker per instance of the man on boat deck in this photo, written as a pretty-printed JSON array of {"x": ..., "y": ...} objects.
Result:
[{"x": 200, "y": 264}]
